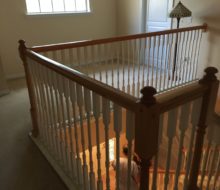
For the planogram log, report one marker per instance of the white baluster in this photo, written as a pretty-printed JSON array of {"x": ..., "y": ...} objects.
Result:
[
  {"x": 182, "y": 57},
  {"x": 148, "y": 62},
  {"x": 48, "y": 105},
  {"x": 75, "y": 118},
  {"x": 171, "y": 131},
  {"x": 129, "y": 66},
  {"x": 100, "y": 62},
  {"x": 184, "y": 122},
  {"x": 58, "y": 114},
  {"x": 71, "y": 59},
  {"x": 106, "y": 53},
  {"x": 96, "y": 111},
  {"x": 45, "y": 113},
  {"x": 216, "y": 140},
  {"x": 85, "y": 59},
  {"x": 54, "y": 55},
  {"x": 78, "y": 57},
  {"x": 143, "y": 60},
  {"x": 70, "y": 131},
  {"x": 161, "y": 65},
  {"x": 169, "y": 59},
  {"x": 160, "y": 136},
  {"x": 212, "y": 162},
  {"x": 138, "y": 52},
  {"x": 106, "y": 121},
  {"x": 197, "y": 60},
  {"x": 123, "y": 66},
  {"x": 63, "y": 128},
  {"x": 117, "y": 129},
  {"x": 176, "y": 76},
  {"x": 134, "y": 66},
  {"x": 166, "y": 74},
  {"x": 63, "y": 57},
  {"x": 196, "y": 38},
  {"x": 80, "y": 104},
  {"x": 189, "y": 55},
  {"x": 88, "y": 108},
  {"x": 194, "y": 122},
  {"x": 51, "y": 126},
  {"x": 113, "y": 62},
  {"x": 93, "y": 61},
  {"x": 205, "y": 161},
  {"x": 173, "y": 46},
  {"x": 157, "y": 66},
  {"x": 190, "y": 62},
  {"x": 129, "y": 136},
  {"x": 53, "y": 112},
  {"x": 217, "y": 172},
  {"x": 185, "y": 55},
  {"x": 118, "y": 64},
  {"x": 213, "y": 138},
  {"x": 152, "y": 62}
]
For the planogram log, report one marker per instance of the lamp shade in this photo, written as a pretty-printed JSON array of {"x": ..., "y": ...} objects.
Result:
[{"x": 180, "y": 11}]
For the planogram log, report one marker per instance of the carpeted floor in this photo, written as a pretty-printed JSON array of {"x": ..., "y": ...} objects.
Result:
[{"x": 22, "y": 166}]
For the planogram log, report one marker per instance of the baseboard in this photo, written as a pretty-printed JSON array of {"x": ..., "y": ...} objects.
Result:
[{"x": 15, "y": 76}]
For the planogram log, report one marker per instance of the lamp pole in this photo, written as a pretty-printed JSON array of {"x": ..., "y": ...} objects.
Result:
[{"x": 175, "y": 50}]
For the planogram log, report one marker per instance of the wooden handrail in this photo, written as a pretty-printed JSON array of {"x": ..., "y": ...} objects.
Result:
[
  {"x": 180, "y": 95},
  {"x": 84, "y": 43},
  {"x": 112, "y": 94}
]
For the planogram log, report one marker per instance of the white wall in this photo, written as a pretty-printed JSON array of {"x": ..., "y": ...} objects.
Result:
[
  {"x": 36, "y": 30},
  {"x": 129, "y": 16}
]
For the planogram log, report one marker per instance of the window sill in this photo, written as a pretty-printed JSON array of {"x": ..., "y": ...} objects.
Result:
[{"x": 58, "y": 13}]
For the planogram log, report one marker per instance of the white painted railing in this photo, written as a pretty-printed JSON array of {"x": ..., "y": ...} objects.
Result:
[
  {"x": 162, "y": 59},
  {"x": 76, "y": 125},
  {"x": 83, "y": 124}
]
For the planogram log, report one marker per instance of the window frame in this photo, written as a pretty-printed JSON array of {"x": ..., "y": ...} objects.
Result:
[{"x": 88, "y": 11}]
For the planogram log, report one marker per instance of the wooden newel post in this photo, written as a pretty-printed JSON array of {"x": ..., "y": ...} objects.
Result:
[
  {"x": 22, "y": 48},
  {"x": 207, "y": 109},
  {"x": 146, "y": 133}
]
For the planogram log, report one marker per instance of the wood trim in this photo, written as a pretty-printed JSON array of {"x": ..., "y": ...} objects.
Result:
[
  {"x": 22, "y": 49},
  {"x": 125, "y": 100},
  {"x": 84, "y": 43},
  {"x": 208, "y": 102},
  {"x": 180, "y": 95}
]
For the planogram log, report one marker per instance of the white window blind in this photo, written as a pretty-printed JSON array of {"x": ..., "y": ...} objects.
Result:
[{"x": 57, "y": 6}]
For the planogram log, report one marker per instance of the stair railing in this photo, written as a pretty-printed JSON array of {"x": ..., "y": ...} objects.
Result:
[
  {"x": 150, "y": 120},
  {"x": 67, "y": 106},
  {"x": 131, "y": 62}
]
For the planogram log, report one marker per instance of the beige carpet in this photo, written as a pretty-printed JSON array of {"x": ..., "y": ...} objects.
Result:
[{"x": 22, "y": 166}]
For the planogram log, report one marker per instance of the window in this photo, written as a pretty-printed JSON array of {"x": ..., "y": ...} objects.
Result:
[{"x": 57, "y": 6}]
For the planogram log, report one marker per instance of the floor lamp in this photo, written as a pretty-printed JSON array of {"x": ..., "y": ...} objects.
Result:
[{"x": 178, "y": 12}]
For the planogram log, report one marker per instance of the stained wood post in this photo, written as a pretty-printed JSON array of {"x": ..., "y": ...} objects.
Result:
[
  {"x": 22, "y": 48},
  {"x": 207, "y": 109},
  {"x": 146, "y": 133}
]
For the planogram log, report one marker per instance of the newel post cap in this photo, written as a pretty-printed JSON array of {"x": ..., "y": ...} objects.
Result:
[
  {"x": 147, "y": 97},
  {"x": 210, "y": 75},
  {"x": 21, "y": 48}
]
